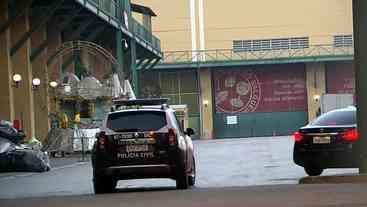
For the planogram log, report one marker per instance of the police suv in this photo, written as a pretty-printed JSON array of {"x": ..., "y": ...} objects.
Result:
[{"x": 142, "y": 139}]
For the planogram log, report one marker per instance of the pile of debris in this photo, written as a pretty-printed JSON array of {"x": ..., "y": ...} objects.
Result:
[{"x": 18, "y": 157}]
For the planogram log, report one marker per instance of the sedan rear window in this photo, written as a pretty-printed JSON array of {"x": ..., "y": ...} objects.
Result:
[
  {"x": 336, "y": 118},
  {"x": 136, "y": 121}
]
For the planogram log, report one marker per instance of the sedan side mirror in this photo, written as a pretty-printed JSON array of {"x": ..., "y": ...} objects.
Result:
[{"x": 190, "y": 131}]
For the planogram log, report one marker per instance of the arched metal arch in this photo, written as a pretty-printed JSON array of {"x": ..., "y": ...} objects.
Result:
[{"x": 90, "y": 47}]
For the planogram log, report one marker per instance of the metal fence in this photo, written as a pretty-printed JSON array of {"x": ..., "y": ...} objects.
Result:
[
  {"x": 172, "y": 57},
  {"x": 112, "y": 9}
]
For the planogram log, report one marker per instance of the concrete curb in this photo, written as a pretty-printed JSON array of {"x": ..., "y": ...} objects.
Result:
[{"x": 335, "y": 179}]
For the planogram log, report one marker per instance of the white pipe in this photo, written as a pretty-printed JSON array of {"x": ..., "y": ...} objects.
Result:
[
  {"x": 202, "y": 28},
  {"x": 193, "y": 29}
]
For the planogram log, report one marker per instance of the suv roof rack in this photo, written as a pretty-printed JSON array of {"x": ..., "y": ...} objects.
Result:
[{"x": 141, "y": 102}]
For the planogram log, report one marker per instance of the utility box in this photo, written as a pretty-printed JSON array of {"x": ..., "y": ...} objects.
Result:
[{"x": 329, "y": 102}]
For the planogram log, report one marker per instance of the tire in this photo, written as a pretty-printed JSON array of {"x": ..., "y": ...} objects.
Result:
[
  {"x": 182, "y": 181},
  {"x": 192, "y": 177},
  {"x": 104, "y": 185},
  {"x": 313, "y": 171}
]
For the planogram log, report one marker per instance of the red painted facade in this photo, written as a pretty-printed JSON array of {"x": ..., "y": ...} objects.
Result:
[
  {"x": 340, "y": 77},
  {"x": 276, "y": 88}
]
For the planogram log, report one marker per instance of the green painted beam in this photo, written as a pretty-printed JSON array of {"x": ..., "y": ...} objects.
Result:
[
  {"x": 19, "y": 12},
  {"x": 139, "y": 62},
  {"x": 145, "y": 65},
  {"x": 156, "y": 61},
  {"x": 68, "y": 61},
  {"x": 135, "y": 74},
  {"x": 82, "y": 28},
  {"x": 44, "y": 19},
  {"x": 92, "y": 36},
  {"x": 233, "y": 63},
  {"x": 37, "y": 51}
]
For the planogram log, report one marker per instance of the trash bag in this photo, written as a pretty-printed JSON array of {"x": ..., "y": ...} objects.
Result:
[
  {"x": 16, "y": 158},
  {"x": 6, "y": 145},
  {"x": 34, "y": 144},
  {"x": 7, "y": 131}
]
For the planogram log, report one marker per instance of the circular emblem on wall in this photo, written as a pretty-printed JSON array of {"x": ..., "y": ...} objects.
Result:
[{"x": 237, "y": 92}]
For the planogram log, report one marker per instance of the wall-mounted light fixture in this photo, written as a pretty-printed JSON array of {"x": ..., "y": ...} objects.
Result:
[
  {"x": 53, "y": 84},
  {"x": 17, "y": 79},
  {"x": 205, "y": 103},
  {"x": 124, "y": 44},
  {"x": 36, "y": 82},
  {"x": 316, "y": 97}
]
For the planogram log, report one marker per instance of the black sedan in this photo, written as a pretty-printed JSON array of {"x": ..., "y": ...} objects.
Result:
[{"x": 328, "y": 142}]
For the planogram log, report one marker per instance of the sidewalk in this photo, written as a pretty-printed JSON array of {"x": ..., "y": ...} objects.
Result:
[
  {"x": 335, "y": 179},
  {"x": 57, "y": 162}
]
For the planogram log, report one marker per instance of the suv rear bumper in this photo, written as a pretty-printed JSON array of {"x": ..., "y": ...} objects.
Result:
[{"x": 139, "y": 171}]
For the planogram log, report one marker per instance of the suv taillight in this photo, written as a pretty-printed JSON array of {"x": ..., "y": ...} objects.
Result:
[
  {"x": 298, "y": 137},
  {"x": 351, "y": 135},
  {"x": 172, "y": 137},
  {"x": 102, "y": 140}
]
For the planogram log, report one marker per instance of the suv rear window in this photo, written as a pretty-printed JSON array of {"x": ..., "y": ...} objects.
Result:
[
  {"x": 336, "y": 118},
  {"x": 136, "y": 121}
]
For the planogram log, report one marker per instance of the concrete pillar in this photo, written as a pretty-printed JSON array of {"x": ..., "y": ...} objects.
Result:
[
  {"x": 360, "y": 44},
  {"x": 206, "y": 103},
  {"x": 41, "y": 97},
  {"x": 6, "y": 92},
  {"x": 23, "y": 95},
  {"x": 54, "y": 42},
  {"x": 316, "y": 86}
]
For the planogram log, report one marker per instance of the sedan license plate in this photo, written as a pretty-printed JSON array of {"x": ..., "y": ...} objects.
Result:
[
  {"x": 137, "y": 148},
  {"x": 322, "y": 140}
]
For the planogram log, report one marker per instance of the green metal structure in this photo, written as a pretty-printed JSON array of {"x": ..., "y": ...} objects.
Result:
[{"x": 230, "y": 58}]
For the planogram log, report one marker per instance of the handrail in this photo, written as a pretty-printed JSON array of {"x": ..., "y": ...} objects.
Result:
[
  {"x": 172, "y": 57},
  {"x": 114, "y": 11}
]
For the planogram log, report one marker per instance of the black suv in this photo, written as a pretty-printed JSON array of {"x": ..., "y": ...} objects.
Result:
[{"x": 142, "y": 140}]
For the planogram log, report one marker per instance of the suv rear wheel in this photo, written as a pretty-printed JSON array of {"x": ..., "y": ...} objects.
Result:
[
  {"x": 314, "y": 171},
  {"x": 192, "y": 176},
  {"x": 103, "y": 184},
  {"x": 182, "y": 181}
]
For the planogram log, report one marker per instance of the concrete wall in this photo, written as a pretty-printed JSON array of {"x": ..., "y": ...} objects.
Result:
[
  {"x": 172, "y": 25},
  {"x": 225, "y": 21},
  {"x": 316, "y": 86}
]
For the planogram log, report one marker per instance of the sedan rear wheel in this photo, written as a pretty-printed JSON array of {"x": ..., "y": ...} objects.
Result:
[{"x": 314, "y": 171}]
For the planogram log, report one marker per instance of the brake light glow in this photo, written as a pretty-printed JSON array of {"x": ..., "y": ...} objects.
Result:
[
  {"x": 351, "y": 135},
  {"x": 172, "y": 137},
  {"x": 152, "y": 135},
  {"x": 298, "y": 137},
  {"x": 102, "y": 140}
]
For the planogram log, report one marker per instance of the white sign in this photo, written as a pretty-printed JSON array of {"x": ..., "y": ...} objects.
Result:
[{"x": 231, "y": 120}]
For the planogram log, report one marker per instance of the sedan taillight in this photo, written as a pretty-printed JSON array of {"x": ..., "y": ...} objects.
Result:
[
  {"x": 351, "y": 135},
  {"x": 298, "y": 137}
]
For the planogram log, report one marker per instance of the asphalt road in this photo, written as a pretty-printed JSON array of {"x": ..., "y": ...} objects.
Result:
[{"x": 220, "y": 163}]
